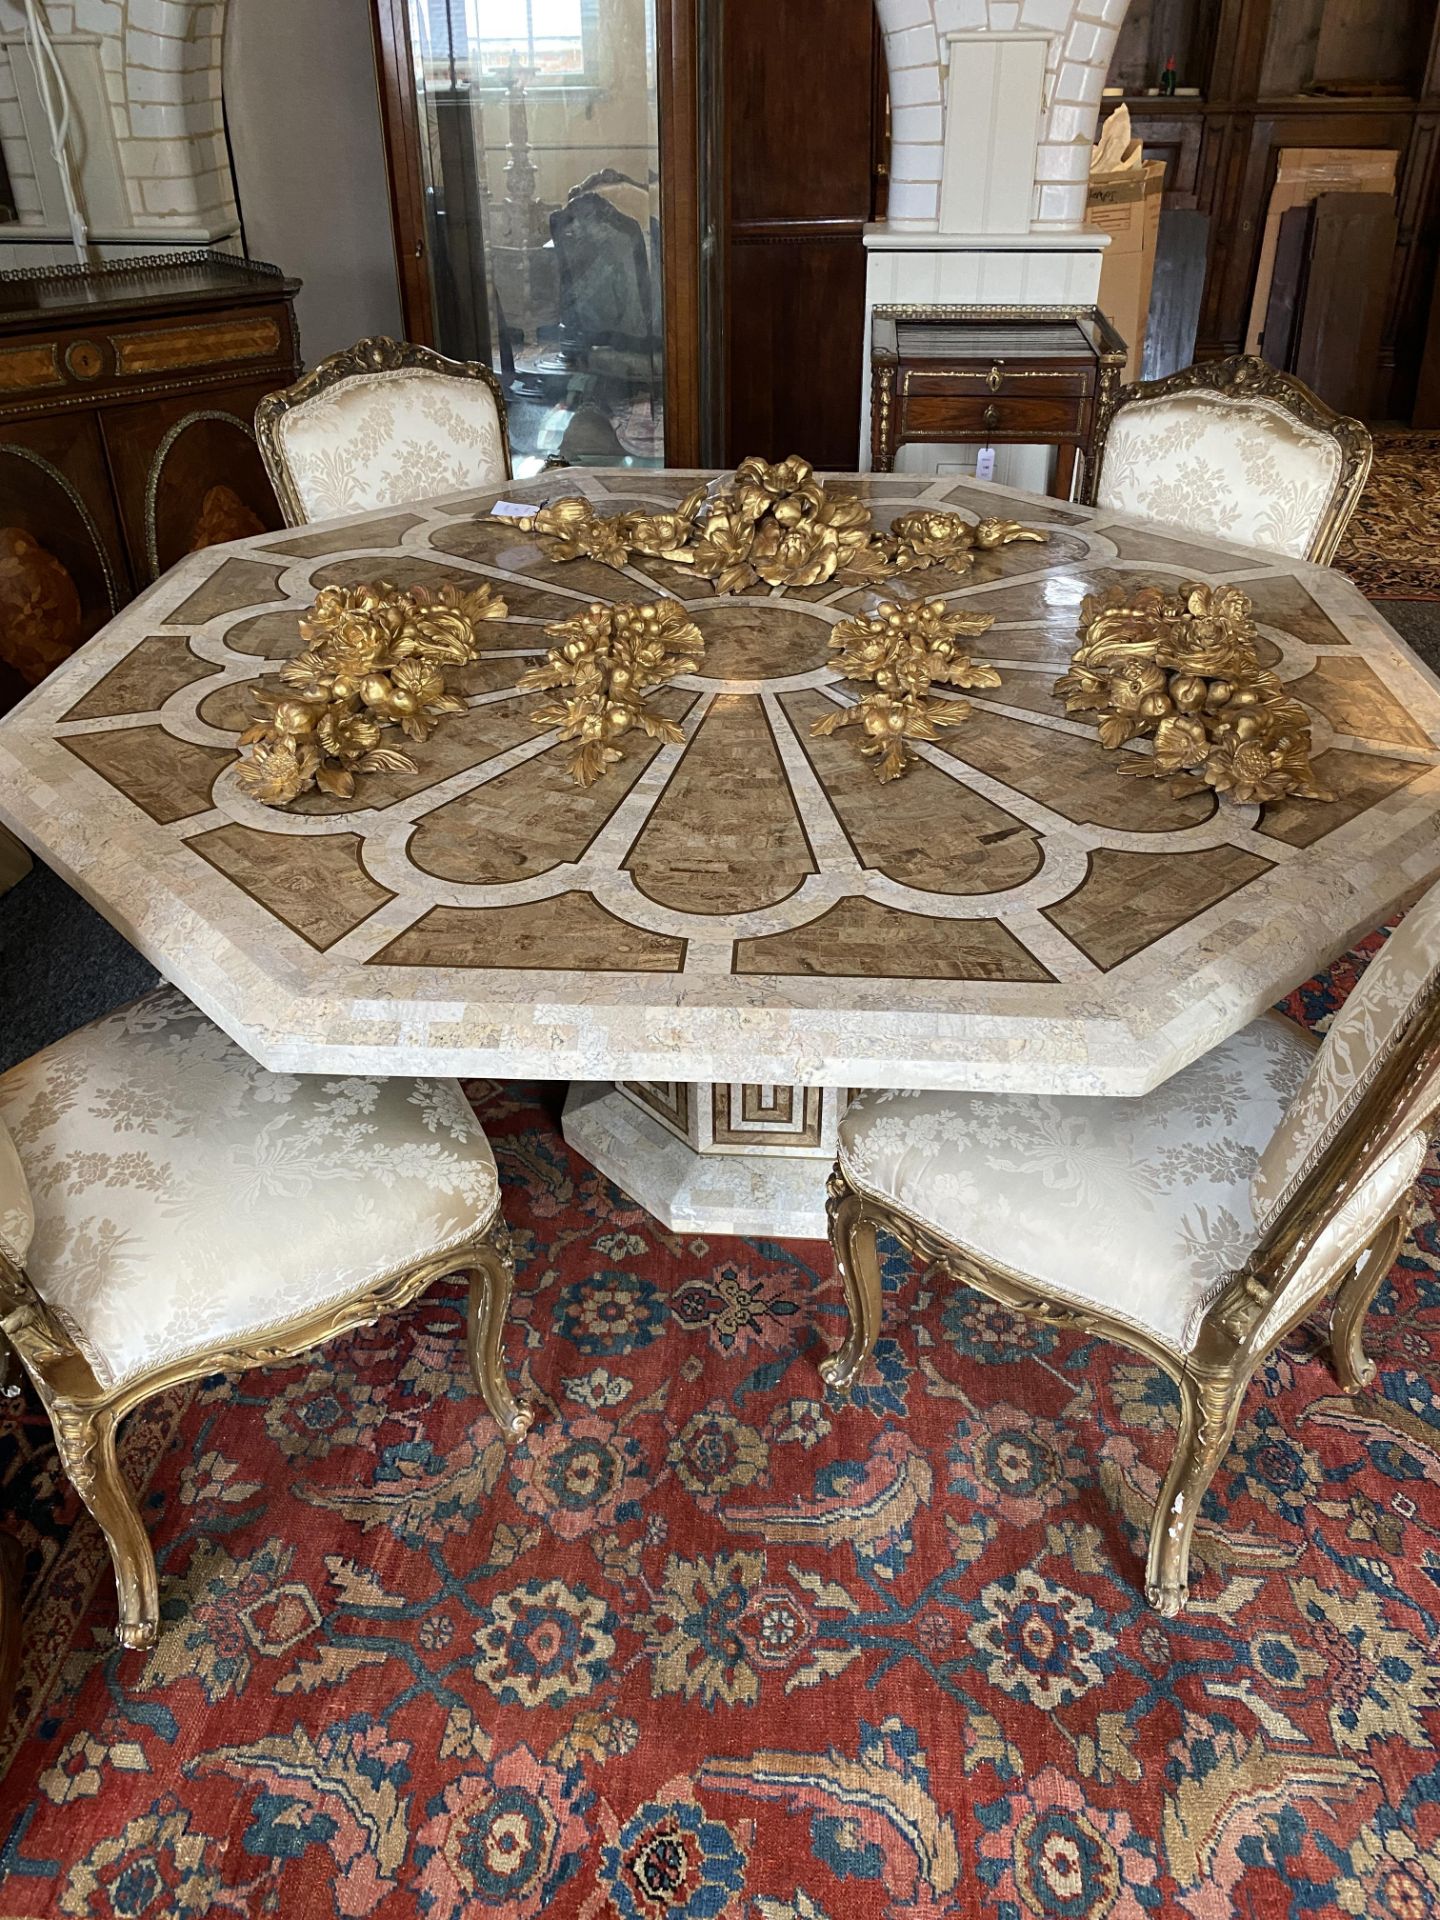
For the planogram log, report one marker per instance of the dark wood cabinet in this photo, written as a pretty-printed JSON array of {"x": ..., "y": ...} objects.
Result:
[
  {"x": 998, "y": 375},
  {"x": 773, "y": 156},
  {"x": 127, "y": 403},
  {"x": 1276, "y": 76},
  {"x": 796, "y": 137}
]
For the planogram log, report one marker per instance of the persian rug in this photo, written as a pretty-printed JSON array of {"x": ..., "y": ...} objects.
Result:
[
  {"x": 709, "y": 1646},
  {"x": 1390, "y": 547}
]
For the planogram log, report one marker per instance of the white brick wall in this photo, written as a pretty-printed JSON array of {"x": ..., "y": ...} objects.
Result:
[
  {"x": 162, "y": 62},
  {"x": 162, "y": 72},
  {"x": 1082, "y": 39}
]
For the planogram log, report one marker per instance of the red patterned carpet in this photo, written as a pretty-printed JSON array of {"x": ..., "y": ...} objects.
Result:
[
  {"x": 1389, "y": 549},
  {"x": 710, "y": 1646}
]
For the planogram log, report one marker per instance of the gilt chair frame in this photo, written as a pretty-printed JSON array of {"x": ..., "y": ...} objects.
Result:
[
  {"x": 378, "y": 354},
  {"x": 1214, "y": 1375},
  {"x": 86, "y": 1415},
  {"x": 1242, "y": 377}
]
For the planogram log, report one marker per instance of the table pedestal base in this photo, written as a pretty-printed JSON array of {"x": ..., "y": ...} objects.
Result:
[{"x": 659, "y": 1143}]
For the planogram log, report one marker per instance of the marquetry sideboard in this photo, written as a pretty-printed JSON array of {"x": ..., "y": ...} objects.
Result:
[
  {"x": 992, "y": 376},
  {"x": 127, "y": 403}
]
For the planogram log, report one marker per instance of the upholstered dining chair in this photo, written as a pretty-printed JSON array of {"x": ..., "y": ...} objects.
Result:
[
  {"x": 169, "y": 1209},
  {"x": 1236, "y": 449},
  {"x": 379, "y": 424},
  {"x": 1197, "y": 1224}
]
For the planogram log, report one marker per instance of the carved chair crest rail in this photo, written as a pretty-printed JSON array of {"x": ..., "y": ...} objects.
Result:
[{"x": 381, "y": 423}]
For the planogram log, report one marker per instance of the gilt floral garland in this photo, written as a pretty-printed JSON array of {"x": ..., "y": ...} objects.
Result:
[
  {"x": 1181, "y": 670},
  {"x": 608, "y": 659},
  {"x": 375, "y": 658},
  {"x": 904, "y": 647},
  {"x": 773, "y": 525}
]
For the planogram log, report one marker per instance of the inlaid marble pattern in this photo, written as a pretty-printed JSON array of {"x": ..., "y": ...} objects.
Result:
[{"x": 751, "y": 908}]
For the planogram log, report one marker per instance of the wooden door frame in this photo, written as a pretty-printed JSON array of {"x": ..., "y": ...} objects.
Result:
[
  {"x": 681, "y": 226},
  {"x": 678, "y": 51},
  {"x": 400, "y": 126}
]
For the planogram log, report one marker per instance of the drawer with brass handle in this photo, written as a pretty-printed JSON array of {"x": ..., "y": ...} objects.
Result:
[
  {"x": 997, "y": 381},
  {"x": 956, "y": 416},
  {"x": 993, "y": 375},
  {"x": 209, "y": 343}
]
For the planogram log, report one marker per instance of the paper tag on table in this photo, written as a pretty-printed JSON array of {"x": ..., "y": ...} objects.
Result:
[{"x": 511, "y": 509}]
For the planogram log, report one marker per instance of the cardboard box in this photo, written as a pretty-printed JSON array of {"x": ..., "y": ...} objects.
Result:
[{"x": 1126, "y": 205}]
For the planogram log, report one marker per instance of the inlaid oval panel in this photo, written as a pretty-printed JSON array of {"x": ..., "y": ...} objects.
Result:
[
  {"x": 58, "y": 583},
  {"x": 206, "y": 484}
]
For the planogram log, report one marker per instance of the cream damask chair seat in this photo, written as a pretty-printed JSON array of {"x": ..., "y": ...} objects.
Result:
[
  {"x": 1235, "y": 449},
  {"x": 380, "y": 424},
  {"x": 1198, "y": 1224},
  {"x": 169, "y": 1209}
]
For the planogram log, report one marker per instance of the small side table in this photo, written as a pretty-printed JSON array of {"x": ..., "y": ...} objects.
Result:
[{"x": 993, "y": 376}]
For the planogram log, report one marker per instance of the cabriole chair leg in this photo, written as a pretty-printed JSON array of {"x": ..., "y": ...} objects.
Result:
[
  {"x": 1208, "y": 1413},
  {"x": 857, "y": 1260},
  {"x": 85, "y": 1438},
  {"x": 492, "y": 1278},
  {"x": 1353, "y": 1368}
]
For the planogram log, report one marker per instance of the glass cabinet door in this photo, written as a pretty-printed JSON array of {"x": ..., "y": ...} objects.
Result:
[{"x": 539, "y": 147}]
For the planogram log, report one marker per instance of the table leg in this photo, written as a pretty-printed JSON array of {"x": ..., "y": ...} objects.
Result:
[
  {"x": 713, "y": 1158},
  {"x": 1064, "y": 482},
  {"x": 14, "y": 861}
]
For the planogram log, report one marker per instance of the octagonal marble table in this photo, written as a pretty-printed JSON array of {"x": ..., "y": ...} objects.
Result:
[{"x": 739, "y": 929}]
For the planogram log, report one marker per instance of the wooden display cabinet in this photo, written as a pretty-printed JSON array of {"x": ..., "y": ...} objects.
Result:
[{"x": 127, "y": 403}]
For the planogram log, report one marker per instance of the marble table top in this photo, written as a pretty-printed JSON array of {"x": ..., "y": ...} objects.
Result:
[{"x": 752, "y": 905}]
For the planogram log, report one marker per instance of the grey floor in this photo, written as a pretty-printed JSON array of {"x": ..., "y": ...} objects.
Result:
[
  {"x": 1417, "y": 621},
  {"x": 61, "y": 964}
]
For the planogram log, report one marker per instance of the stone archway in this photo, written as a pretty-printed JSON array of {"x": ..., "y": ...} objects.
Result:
[
  {"x": 1082, "y": 37},
  {"x": 160, "y": 64},
  {"x": 175, "y": 154}
]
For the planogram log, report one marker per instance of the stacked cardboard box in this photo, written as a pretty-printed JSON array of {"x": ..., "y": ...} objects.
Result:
[{"x": 1124, "y": 202}]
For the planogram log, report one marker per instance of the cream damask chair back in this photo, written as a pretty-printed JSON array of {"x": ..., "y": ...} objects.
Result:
[
  {"x": 1198, "y": 1224},
  {"x": 1236, "y": 449},
  {"x": 380, "y": 424},
  {"x": 168, "y": 1209}
]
